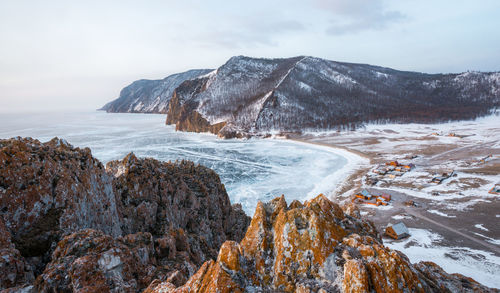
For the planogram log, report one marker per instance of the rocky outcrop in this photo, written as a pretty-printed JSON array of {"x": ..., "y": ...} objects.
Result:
[
  {"x": 315, "y": 247},
  {"x": 184, "y": 115},
  {"x": 13, "y": 267},
  {"x": 150, "y": 96},
  {"x": 184, "y": 206},
  {"x": 49, "y": 190},
  {"x": 91, "y": 261},
  {"x": 162, "y": 220},
  {"x": 444, "y": 282},
  {"x": 186, "y": 119}
]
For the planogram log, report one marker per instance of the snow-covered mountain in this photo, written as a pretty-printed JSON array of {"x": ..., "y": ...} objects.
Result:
[
  {"x": 248, "y": 96},
  {"x": 150, "y": 96}
]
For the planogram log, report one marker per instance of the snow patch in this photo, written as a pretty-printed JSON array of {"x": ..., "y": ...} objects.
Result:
[
  {"x": 423, "y": 245},
  {"x": 436, "y": 212},
  {"x": 480, "y": 226}
]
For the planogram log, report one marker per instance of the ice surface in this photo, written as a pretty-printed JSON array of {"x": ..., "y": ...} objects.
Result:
[{"x": 252, "y": 170}]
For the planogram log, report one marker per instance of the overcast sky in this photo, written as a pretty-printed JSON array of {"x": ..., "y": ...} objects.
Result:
[{"x": 65, "y": 54}]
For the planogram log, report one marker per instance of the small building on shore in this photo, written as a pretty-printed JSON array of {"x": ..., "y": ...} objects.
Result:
[
  {"x": 495, "y": 189},
  {"x": 397, "y": 231},
  {"x": 365, "y": 194}
]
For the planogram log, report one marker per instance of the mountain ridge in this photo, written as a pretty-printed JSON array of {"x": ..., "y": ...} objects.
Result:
[
  {"x": 150, "y": 96},
  {"x": 256, "y": 96}
]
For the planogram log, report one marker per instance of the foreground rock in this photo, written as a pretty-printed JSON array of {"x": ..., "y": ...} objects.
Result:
[
  {"x": 152, "y": 220},
  {"x": 185, "y": 207},
  {"x": 91, "y": 261},
  {"x": 315, "y": 247},
  {"x": 49, "y": 190},
  {"x": 13, "y": 267}
]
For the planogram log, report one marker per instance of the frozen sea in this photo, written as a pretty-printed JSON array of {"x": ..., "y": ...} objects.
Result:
[{"x": 252, "y": 170}]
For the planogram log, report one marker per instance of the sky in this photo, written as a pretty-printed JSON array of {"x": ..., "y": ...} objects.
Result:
[{"x": 78, "y": 55}]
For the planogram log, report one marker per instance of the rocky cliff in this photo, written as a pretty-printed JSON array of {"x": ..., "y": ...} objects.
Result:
[
  {"x": 73, "y": 224},
  {"x": 150, "y": 96},
  {"x": 315, "y": 247}
]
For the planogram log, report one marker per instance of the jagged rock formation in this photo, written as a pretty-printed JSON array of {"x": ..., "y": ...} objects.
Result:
[
  {"x": 160, "y": 220},
  {"x": 150, "y": 96},
  {"x": 51, "y": 189},
  {"x": 315, "y": 247},
  {"x": 13, "y": 269},
  {"x": 92, "y": 261},
  {"x": 184, "y": 206},
  {"x": 251, "y": 96}
]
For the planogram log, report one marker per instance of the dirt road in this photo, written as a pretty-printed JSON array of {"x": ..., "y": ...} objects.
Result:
[{"x": 490, "y": 246}]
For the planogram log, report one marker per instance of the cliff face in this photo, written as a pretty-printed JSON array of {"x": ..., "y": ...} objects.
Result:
[
  {"x": 48, "y": 190},
  {"x": 315, "y": 247},
  {"x": 150, "y": 96},
  {"x": 184, "y": 115},
  {"x": 184, "y": 206},
  {"x": 249, "y": 96},
  {"x": 148, "y": 219}
]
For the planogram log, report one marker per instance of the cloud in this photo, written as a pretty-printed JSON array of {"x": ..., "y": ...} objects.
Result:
[
  {"x": 353, "y": 16},
  {"x": 236, "y": 34}
]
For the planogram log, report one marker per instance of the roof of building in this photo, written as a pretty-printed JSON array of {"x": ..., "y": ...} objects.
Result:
[
  {"x": 400, "y": 229},
  {"x": 366, "y": 193}
]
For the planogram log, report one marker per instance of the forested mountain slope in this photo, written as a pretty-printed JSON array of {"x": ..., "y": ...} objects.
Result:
[{"x": 249, "y": 96}]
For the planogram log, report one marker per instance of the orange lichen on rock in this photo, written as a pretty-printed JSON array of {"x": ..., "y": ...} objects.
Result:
[
  {"x": 356, "y": 277},
  {"x": 312, "y": 247},
  {"x": 283, "y": 246},
  {"x": 389, "y": 271}
]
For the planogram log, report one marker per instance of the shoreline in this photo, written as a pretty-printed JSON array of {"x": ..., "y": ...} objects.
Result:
[
  {"x": 358, "y": 164},
  {"x": 356, "y": 152}
]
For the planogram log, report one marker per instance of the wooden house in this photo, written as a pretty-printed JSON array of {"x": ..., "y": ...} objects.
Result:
[
  {"x": 359, "y": 195},
  {"x": 381, "y": 201},
  {"x": 364, "y": 194},
  {"x": 438, "y": 179},
  {"x": 397, "y": 231},
  {"x": 495, "y": 189},
  {"x": 409, "y": 166},
  {"x": 367, "y": 195},
  {"x": 386, "y": 197},
  {"x": 485, "y": 159}
]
